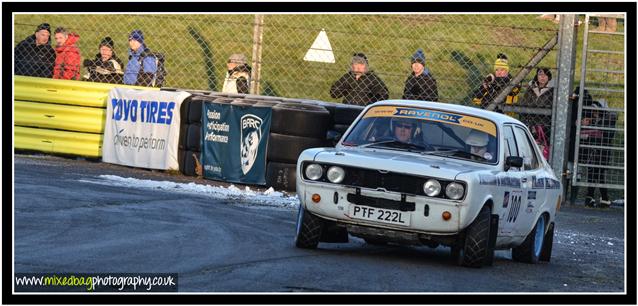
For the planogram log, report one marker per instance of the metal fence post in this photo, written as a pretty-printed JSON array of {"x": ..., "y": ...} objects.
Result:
[
  {"x": 258, "y": 35},
  {"x": 566, "y": 63}
]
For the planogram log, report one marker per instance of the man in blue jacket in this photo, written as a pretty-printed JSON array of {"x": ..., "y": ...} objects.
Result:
[{"x": 142, "y": 66}]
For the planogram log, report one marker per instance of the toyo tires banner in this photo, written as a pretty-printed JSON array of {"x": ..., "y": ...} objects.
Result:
[
  {"x": 142, "y": 128},
  {"x": 234, "y": 142}
]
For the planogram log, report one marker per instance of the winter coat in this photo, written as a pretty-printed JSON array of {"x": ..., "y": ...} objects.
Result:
[
  {"x": 491, "y": 87},
  {"x": 536, "y": 97},
  {"x": 597, "y": 137},
  {"x": 33, "y": 60},
  {"x": 237, "y": 80},
  {"x": 110, "y": 71},
  {"x": 369, "y": 88},
  {"x": 421, "y": 87},
  {"x": 68, "y": 59},
  {"x": 133, "y": 75}
]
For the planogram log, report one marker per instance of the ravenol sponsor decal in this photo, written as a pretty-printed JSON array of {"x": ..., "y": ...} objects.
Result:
[
  {"x": 250, "y": 139},
  {"x": 431, "y": 115}
]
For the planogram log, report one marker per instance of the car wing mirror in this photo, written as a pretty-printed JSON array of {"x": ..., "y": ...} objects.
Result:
[{"x": 513, "y": 161}]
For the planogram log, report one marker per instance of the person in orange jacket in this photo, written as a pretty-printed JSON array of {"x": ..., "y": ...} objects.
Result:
[{"x": 68, "y": 59}]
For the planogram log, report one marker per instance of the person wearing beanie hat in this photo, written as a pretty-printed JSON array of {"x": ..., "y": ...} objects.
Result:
[
  {"x": 143, "y": 67},
  {"x": 106, "y": 67},
  {"x": 34, "y": 55},
  {"x": 420, "y": 84},
  {"x": 237, "y": 75},
  {"x": 360, "y": 85},
  {"x": 494, "y": 83},
  {"x": 68, "y": 58}
]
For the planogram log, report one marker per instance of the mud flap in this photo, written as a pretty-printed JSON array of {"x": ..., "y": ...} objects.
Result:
[
  {"x": 334, "y": 234},
  {"x": 489, "y": 259}
]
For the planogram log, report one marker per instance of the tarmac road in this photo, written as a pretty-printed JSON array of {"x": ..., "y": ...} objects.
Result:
[{"x": 66, "y": 223}]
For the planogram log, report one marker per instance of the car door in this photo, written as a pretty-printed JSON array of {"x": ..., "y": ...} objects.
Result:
[
  {"x": 510, "y": 184},
  {"x": 532, "y": 182}
]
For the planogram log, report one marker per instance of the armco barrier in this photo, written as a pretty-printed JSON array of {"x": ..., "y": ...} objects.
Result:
[
  {"x": 64, "y": 91},
  {"x": 56, "y": 141},
  {"x": 60, "y": 117}
]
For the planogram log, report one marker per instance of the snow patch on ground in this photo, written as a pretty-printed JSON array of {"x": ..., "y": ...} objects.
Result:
[{"x": 269, "y": 197}]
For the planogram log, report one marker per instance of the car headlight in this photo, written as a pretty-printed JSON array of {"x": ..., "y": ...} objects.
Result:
[
  {"x": 432, "y": 188},
  {"x": 336, "y": 174},
  {"x": 314, "y": 172},
  {"x": 454, "y": 191}
]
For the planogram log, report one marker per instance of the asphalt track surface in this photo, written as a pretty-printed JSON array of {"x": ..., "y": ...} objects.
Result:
[{"x": 65, "y": 224}]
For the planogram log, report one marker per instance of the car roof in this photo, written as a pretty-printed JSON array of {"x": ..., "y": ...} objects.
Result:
[{"x": 498, "y": 118}]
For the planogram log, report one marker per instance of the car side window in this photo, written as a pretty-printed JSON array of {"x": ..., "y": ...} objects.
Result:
[
  {"x": 526, "y": 149},
  {"x": 510, "y": 142}
]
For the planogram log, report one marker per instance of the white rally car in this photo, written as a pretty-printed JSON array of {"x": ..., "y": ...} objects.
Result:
[{"x": 415, "y": 172}]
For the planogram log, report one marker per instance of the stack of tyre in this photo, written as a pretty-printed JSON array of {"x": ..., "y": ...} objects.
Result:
[{"x": 294, "y": 127}]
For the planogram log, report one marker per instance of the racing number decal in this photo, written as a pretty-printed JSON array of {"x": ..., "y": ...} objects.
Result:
[{"x": 515, "y": 200}]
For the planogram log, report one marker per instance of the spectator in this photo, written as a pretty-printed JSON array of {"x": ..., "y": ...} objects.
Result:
[
  {"x": 34, "y": 56},
  {"x": 360, "y": 85},
  {"x": 598, "y": 157},
  {"x": 67, "y": 60},
  {"x": 238, "y": 75},
  {"x": 420, "y": 85},
  {"x": 106, "y": 67},
  {"x": 494, "y": 83},
  {"x": 142, "y": 66},
  {"x": 573, "y": 117},
  {"x": 539, "y": 94}
]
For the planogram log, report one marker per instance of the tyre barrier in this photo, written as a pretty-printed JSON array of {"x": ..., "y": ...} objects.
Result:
[
  {"x": 194, "y": 137},
  {"x": 57, "y": 141},
  {"x": 281, "y": 176},
  {"x": 298, "y": 119}
]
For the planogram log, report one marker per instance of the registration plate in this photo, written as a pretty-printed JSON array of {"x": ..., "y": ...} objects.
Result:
[{"x": 380, "y": 215}]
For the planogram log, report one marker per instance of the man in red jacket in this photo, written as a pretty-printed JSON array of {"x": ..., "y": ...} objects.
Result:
[{"x": 67, "y": 60}]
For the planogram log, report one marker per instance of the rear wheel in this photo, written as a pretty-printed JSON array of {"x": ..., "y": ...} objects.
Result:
[
  {"x": 309, "y": 229},
  {"x": 475, "y": 250},
  {"x": 530, "y": 250}
]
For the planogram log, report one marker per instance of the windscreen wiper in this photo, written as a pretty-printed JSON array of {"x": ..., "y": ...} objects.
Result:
[
  {"x": 457, "y": 152},
  {"x": 393, "y": 143}
]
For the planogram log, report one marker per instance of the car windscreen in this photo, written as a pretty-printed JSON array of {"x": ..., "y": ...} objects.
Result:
[{"x": 426, "y": 131}]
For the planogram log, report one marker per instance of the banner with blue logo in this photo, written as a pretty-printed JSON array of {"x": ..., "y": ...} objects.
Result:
[
  {"x": 234, "y": 142},
  {"x": 142, "y": 128}
]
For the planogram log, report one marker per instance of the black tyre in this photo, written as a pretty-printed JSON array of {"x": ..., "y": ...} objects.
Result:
[
  {"x": 474, "y": 250},
  {"x": 548, "y": 241},
  {"x": 266, "y": 103},
  {"x": 309, "y": 228},
  {"x": 375, "y": 241},
  {"x": 243, "y": 103},
  {"x": 345, "y": 113},
  {"x": 194, "y": 137},
  {"x": 183, "y": 132},
  {"x": 181, "y": 155},
  {"x": 341, "y": 128},
  {"x": 281, "y": 176},
  {"x": 223, "y": 100},
  {"x": 183, "y": 110},
  {"x": 299, "y": 119},
  {"x": 286, "y": 149},
  {"x": 190, "y": 162},
  {"x": 195, "y": 110},
  {"x": 530, "y": 250}
]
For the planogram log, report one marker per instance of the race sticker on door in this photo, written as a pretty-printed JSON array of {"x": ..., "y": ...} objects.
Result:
[{"x": 380, "y": 215}]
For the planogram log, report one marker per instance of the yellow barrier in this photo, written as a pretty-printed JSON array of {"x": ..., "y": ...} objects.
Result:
[
  {"x": 62, "y": 117},
  {"x": 64, "y": 91},
  {"x": 55, "y": 141}
]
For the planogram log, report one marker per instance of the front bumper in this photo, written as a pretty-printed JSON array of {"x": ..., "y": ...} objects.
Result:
[{"x": 425, "y": 215}]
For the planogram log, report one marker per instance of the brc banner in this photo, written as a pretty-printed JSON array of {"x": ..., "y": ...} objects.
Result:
[
  {"x": 234, "y": 142},
  {"x": 142, "y": 128}
]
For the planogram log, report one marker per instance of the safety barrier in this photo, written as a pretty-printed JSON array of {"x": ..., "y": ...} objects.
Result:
[{"x": 60, "y": 116}]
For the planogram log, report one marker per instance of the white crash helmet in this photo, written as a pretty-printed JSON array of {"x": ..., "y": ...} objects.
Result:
[{"x": 477, "y": 139}]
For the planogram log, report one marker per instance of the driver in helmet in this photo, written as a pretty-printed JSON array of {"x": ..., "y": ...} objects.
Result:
[
  {"x": 402, "y": 129},
  {"x": 477, "y": 141}
]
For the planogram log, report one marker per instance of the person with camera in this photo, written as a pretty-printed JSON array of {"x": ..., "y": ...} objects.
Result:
[
  {"x": 494, "y": 83},
  {"x": 106, "y": 67}
]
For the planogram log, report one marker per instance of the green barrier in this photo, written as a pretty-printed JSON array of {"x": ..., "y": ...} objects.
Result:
[
  {"x": 62, "y": 117},
  {"x": 56, "y": 141},
  {"x": 65, "y": 91}
]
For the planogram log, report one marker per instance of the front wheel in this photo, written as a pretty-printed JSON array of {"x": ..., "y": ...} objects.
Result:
[
  {"x": 475, "y": 249},
  {"x": 530, "y": 250},
  {"x": 309, "y": 228},
  {"x": 546, "y": 252}
]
